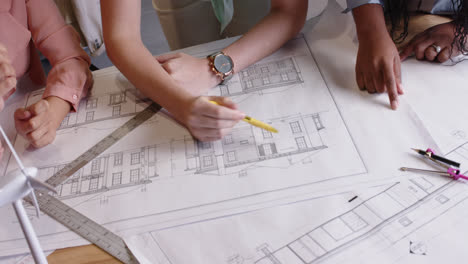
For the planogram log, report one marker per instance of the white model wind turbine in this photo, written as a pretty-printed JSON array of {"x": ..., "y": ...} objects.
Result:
[{"x": 14, "y": 186}]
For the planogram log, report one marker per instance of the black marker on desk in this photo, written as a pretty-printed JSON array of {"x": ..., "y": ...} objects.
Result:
[{"x": 352, "y": 199}]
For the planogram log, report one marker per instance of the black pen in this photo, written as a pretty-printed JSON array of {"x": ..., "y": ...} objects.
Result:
[{"x": 431, "y": 154}]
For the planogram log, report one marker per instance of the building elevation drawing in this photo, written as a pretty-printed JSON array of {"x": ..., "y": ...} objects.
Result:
[
  {"x": 263, "y": 76},
  {"x": 248, "y": 144},
  {"x": 245, "y": 145},
  {"x": 102, "y": 107},
  {"x": 128, "y": 101}
]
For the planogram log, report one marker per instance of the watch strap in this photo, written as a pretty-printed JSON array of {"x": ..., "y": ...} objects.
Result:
[{"x": 226, "y": 78}]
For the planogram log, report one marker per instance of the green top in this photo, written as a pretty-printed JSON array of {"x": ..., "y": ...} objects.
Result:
[{"x": 223, "y": 10}]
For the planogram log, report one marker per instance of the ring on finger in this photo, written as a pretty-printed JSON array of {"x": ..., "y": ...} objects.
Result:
[{"x": 438, "y": 49}]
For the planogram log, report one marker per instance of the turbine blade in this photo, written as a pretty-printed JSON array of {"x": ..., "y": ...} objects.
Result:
[{"x": 37, "y": 184}]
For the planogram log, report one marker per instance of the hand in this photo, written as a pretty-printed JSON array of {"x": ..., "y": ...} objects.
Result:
[
  {"x": 209, "y": 122},
  {"x": 7, "y": 76},
  {"x": 38, "y": 123},
  {"x": 378, "y": 67},
  {"x": 422, "y": 44},
  {"x": 193, "y": 74}
]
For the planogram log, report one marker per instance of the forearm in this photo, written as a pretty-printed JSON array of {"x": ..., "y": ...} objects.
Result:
[
  {"x": 370, "y": 21},
  {"x": 267, "y": 36},
  {"x": 69, "y": 80},
  {"x": 121, "y": 29},
  {"x": 143, "y": 71}
]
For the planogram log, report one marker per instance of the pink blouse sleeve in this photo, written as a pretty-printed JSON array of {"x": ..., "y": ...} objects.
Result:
[{"x": 70, "y": 77}]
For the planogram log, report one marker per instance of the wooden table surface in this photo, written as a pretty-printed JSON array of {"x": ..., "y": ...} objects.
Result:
[{"x": 91, "y": 254}]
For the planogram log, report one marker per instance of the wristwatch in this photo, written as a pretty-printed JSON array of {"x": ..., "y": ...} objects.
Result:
[{"x": 222, "y": 65}]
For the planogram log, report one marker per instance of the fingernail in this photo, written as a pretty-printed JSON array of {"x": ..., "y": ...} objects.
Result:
[{"x": 394, "y": 105}]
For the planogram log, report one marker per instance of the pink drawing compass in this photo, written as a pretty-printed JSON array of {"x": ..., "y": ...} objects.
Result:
[{"x": 441, "y": 161}]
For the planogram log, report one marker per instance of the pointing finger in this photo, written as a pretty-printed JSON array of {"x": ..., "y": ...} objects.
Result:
[{"x": 390, "y": 83}]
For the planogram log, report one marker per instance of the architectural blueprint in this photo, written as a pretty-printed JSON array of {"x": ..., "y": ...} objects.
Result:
[
  {"x": 132, "y": 186},
  {"x": 255, "y": 197},
  {"x": 414, "y": 220}
]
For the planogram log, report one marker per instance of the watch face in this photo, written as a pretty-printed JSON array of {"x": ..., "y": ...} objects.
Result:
[{"x": 223, "y": 63}]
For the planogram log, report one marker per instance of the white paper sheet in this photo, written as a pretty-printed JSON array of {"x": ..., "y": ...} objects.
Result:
[
  {"x": 332, "y": 139},
  {"x": 400, "y": 223},
  {"x": 148, "y": 166},
  {"x": 419, "y": 220},
  {"x": 438, "y": 94}
]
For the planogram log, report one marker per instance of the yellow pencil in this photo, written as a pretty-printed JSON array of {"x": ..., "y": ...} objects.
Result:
[{"x": 255, "y": 122}]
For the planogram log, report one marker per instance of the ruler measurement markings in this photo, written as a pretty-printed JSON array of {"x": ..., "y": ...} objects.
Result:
[
  {"x": 88, "y": 229},
  {"x": 78, "y": 222},
  {"x": 103, "y": 145}
]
